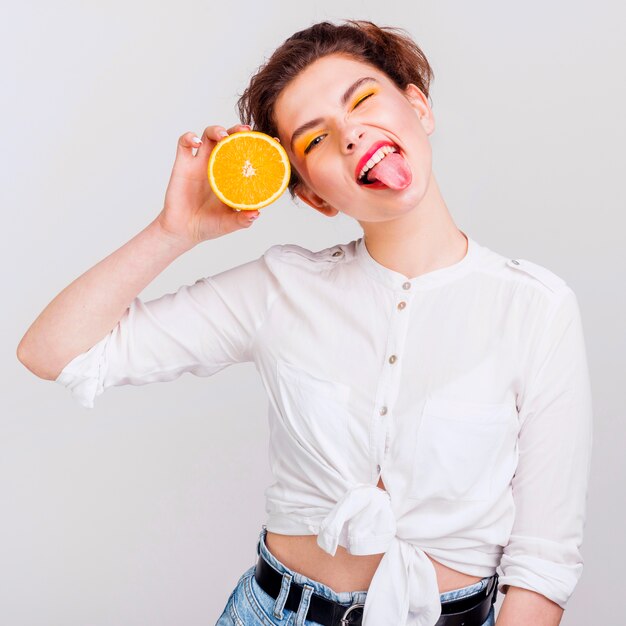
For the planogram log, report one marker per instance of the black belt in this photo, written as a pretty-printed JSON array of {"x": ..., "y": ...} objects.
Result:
[{"x": 469, "y": 611}]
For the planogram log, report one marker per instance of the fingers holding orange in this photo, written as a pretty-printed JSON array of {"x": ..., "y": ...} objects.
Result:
[
  {"x": 185, "y": 144},
  {"x": 238, "y": 128},
  {"x": 212, "y": 135},
  {"x": 189, "y": 140},
  {"x": 217, "y": 133}
]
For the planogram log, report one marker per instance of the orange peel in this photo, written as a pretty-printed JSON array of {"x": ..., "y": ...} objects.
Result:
[{"x": 248, "y": 170}]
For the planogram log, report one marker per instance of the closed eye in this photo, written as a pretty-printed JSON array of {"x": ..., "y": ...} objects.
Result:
[
  {"x": 314, "y": 141},
  {"x": 363, "y": 98}
]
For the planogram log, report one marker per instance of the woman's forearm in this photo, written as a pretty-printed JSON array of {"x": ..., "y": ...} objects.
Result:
[
  {"x": 88, "y": 308},
  {"x": 522, "y": 607}
]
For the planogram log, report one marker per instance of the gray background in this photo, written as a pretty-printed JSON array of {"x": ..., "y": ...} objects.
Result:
[{"x": 147, "y": 509}]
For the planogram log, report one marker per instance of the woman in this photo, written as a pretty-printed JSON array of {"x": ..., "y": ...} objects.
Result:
[{"x": 430, "y": 406}]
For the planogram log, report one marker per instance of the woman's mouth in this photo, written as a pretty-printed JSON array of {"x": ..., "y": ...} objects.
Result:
[
  {"x": 377, "y": 152},
  {"x": 387, "y": 168}
]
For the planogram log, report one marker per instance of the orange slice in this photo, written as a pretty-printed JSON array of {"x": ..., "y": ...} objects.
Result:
[{"x": 248, "y": 170}]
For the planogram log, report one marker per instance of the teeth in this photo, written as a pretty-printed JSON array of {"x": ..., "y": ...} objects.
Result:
[{"x": 378, "y": 156}]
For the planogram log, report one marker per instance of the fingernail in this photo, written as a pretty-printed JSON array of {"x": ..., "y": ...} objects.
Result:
[
  {"x": 197, "y": 140},
  {"x": 223, "y": 133}
]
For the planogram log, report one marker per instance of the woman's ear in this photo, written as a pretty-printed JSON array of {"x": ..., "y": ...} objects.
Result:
[
  {"x": 419, "y": 102},
  {"x": 313, "y": 200}
]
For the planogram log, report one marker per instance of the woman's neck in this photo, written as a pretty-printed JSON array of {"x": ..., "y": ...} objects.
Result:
[{"x": 423, "y": 240}]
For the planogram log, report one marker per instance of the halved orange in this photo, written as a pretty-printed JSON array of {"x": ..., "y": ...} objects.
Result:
[{"x": 248, "y": 170}]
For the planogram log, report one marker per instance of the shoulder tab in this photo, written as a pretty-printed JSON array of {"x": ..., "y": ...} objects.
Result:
[
  {"x": 332, "y": 254},
  {"x": 542, "y": 274},
  {"x": 293, "y": 248}
]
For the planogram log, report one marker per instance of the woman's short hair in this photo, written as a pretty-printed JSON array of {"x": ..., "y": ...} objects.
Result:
[{"x": 389, "y": 49}]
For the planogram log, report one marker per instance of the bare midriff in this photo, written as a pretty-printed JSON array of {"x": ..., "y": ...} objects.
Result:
[{"x": 345, "y": 571}]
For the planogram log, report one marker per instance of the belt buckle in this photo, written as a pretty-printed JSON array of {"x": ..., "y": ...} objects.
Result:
[{"x": 345, "y": 621}]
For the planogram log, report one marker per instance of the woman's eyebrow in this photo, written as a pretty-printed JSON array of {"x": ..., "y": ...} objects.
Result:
[{"x": 346, "y": 96}]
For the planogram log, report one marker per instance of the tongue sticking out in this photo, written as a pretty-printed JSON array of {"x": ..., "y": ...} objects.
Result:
[{"x": 393, "y": 171}]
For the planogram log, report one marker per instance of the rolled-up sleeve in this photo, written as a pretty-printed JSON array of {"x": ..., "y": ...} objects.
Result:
[
  {"x": 200, "y": 328},
  {"x": 552, "y": 475}
]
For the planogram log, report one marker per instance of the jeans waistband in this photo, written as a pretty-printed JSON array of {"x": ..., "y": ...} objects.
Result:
[{"x": 350, "y": 597}]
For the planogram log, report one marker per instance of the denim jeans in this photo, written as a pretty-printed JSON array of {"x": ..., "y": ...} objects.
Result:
[{"x": 249, "y": 605}]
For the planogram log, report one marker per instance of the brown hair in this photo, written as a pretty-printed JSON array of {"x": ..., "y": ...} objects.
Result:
[{"x": 389, "y": 49}]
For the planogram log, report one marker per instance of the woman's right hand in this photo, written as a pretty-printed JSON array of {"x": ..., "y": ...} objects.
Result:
[{"x": 192, "y": 212}]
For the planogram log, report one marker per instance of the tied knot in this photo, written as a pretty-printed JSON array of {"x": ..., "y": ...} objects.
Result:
[
  {"x": 362, "y": 521},
  {"x": 403, "y": 590}
]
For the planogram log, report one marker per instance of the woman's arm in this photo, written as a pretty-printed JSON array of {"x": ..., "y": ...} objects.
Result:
[
  {"x": 88, "y": 308},
  {"x": 522, "y": 607},
  {"x": 542, "y": 561}
]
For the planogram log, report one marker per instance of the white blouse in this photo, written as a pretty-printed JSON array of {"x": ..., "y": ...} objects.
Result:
[{"x": 466, "y": 388}]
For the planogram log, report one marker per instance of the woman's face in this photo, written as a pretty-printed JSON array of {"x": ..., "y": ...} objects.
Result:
[{"x": 326, "y": 154}]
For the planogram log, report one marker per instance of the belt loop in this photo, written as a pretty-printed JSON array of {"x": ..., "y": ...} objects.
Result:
[
  {"x": 494, "y": 595},
  {"x": 285, "y": 585},
  {"x": 258, "y": 543},
  {"x": 303, "y": 609}
]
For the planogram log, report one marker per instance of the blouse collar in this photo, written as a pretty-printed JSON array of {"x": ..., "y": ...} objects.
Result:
[{"x": 396, "y": 280}]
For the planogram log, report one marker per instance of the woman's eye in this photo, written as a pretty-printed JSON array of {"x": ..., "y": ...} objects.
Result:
[
  {"x": 312, "y": 144},
  {"x": 364, "y": 98}
]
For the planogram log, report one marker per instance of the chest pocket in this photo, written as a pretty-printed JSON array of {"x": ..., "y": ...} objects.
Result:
[
  {"x": 316, "y": 413},
  {"x": 459, "y": 446}
]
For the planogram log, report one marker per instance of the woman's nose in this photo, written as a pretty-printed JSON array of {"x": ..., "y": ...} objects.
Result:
[{"x": 352, "y": 137}]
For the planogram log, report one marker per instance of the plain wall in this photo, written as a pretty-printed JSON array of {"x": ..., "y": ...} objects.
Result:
[{"x": 147, "y": 509}]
